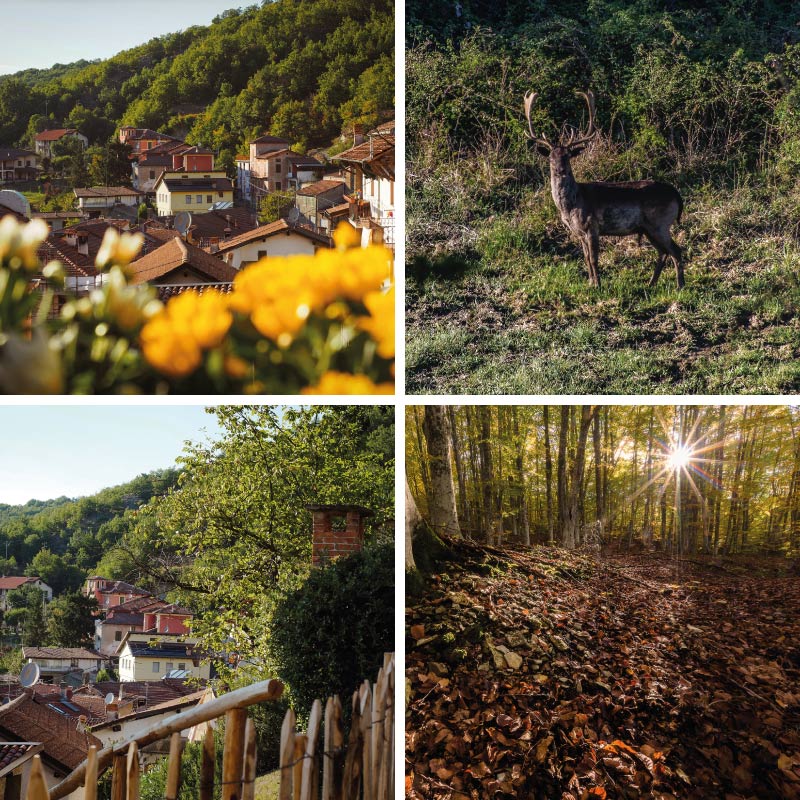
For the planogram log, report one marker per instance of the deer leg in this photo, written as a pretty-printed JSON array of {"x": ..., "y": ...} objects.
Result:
[
  {"x": 662, "y": 250},
  {"x": 677, "y": 259},
  {"x": 593, "y": 246}
]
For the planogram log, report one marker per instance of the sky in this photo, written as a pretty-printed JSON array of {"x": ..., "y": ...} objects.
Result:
[
  {"x": 40, "y": 33},
  {"x": 76, "y": 450}
]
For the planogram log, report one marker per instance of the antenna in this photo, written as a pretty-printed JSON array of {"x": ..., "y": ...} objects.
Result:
[
  {"x": 293, "y": 217},
  {"x": 29, "y": 676},
  {"x": 183, "y": 219}
]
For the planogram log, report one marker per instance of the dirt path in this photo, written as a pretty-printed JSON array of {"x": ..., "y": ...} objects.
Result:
[{"x": 541, "y": 674}]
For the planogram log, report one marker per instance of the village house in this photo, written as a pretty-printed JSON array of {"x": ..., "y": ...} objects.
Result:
[
  {"x": 43, "y": 142},
  {"x": 140, "y": 140},
  {"x": 370, "y": 165},
  {"x": 243, "y": 178},
  {"x": 75, "y": 665},
  {"x": 210, "y": 229},
  {"x": 282, "y": 170},
  {"x": 178, "y": 263},
  {"x": 95, "y": 199},
  {"x": 16, "y": 759},
  {"x": 279, "y": 238},
  {"x": 110, "y": 593},
  {"x": 151, "y": 657},
  {"x": 10, "y": 583},
  {"x": 316, "y": 198},
  {"x": 64, "y": 743},
  {"x": 128, "y": 617},
  {"x": 171, "y": 158},
  {"x": 17, "y": 165},
  {"x": 195, "y": 192}
]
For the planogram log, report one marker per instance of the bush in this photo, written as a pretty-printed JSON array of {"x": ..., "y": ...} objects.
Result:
[{"x": 331, "y": 634}]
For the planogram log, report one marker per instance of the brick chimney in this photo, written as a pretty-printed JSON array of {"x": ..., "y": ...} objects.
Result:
[
  {"x": 338, "y": 530},
  {"x": 358, "y": 134}
]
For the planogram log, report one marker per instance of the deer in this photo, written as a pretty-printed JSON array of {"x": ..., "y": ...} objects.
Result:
[{"x": 602, "y": 208}]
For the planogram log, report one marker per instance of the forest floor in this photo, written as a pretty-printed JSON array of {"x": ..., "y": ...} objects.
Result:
[{"x": 542, "y": 673}]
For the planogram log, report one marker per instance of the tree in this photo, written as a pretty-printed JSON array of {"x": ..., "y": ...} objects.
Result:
[
  {"x": 26, "y": 612},
  {"x": 71, "y": 620},
  {"x": 110, "y": 165},
  {"x": 442, "y": 502},
  {"x": 275, "y": 205}
]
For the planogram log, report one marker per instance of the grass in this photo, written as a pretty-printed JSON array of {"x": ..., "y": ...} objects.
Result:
[
  {"x": 268, "y": 786},
  {"x": 513, "y": 312}
]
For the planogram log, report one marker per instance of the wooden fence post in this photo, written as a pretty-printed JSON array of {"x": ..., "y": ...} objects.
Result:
[
  {"x": 233, "y": 754},
  {"x": 132, "y": 786},
  {"x": 300, "y": 740},
  {"x": 333, "y": 757},
  {"x": 207, "y": 764},
  {"x": 37, "y": 786},
  {"x": 174, "y": 767},
  {"x": 250, "y": 754},
  {"x": 365, "y": 698},
  {"x": 287, "y": 755},
  {"x": 311, "y": 761},
  {"x": 90, "y": 790},
  {"x": 118, "y": 777}
]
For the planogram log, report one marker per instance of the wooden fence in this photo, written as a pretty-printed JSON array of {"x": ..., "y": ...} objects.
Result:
[{"x": 364, "y": 771}]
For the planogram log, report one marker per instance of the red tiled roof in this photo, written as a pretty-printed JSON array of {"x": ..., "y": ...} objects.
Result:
[
  {"x": 10, "y": 582},
  {"x": 106, "y": 191},
  {"x": 273, "y": 229},
  {"x": 173, "y": 290},
  {"x": 367, "y": 151},
  {"x": 342, "y": 208},
  {"x": 13, "y": 752},
  {"x": 27, "y": 720},
  {"x": 213, "y": 224},
  {"x": 178, "y": 611},
  {"x": 320, "y": 187},
  {"x": 155, "y": 692},
  {"x": 54, "y": 135},
  {"x": 121, "y": 587},
  {"x": 175, "y": 254}
]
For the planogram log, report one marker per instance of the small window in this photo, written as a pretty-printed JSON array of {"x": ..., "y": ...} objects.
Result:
[
  {"x": 188, "y": 199},
  {"x": 209, "y": 198},
  {"x": 277, "y": 186},
  {"x": 181, "y": 666},
  {"x": 199, "y": 199},
  {"x": 220, "y": 194},
  {"x": 156, "y": 667},
  {"x": 152, "y": 174},
  {"x": 117, "y": 636},
  {"x": 278, "y": 166},
  {"x": 169, "y": 667},
  {"x": 262, "y": 253}
]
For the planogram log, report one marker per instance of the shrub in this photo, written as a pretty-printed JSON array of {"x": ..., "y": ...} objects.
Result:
[{"x": 331, "y": 634}]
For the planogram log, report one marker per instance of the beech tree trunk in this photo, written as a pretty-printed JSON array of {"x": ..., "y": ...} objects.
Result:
[
  {"x": 413, "y": 518},
  {"x": 443, "y": 513}
]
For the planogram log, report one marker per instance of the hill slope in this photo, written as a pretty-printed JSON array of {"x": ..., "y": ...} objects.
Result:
[{"x": 297, "y": 68}]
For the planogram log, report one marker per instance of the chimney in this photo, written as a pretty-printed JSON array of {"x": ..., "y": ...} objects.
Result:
[
  {"x": 62, "y": 687},
  {"x": 83, "y": 244},
  {"x": 358, "y": 134},
  {"x": 338, "y": 530}
]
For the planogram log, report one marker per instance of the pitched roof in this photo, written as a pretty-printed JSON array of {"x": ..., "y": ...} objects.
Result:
[
  {"x": 202, "y": 184},
  {"x": 273, "y": 229},
  {"x": 153, "y": 692},
  {"x": 375, "y": 155},
  {"x": 198, "y": 151},
  {"x": 176, "y": 610},
  {"x": 60, "y": 653},
  {"x": 10, "y": 582},
  {"x": 12, "y": 753},
  {"x": 320, "y": 187},
  {"x": 54, "y": 135},
  {"x": 173, "y": 290},
  {"x": 277, "y": 154},
  {"x": 121, "y": 587},
  {"x": 149, "y": 133},
  {"x": 28, "y": 720},
  {"x": 175, "y": 254},
  {"x": 13, "y": 152},
  {"x": 216, "y": 223},
  {"x": 267, "y": 139},
  {"x": 106, "y": 191}
]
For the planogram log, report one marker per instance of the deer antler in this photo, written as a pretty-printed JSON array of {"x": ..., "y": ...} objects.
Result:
[
  {"x": 591, "y": 132},
  {"x": 540, "y": 140}
]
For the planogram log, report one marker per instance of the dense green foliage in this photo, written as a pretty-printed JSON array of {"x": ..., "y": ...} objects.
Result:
[
  {"x": 62, "y": 540},
  {"x": 332, "y": 632},
  {"x": 234, "y": 535},
  {"x": 70, "y": 620},
  {"x": 705, "y": 97},
  {"x": 300, "y": 68}
]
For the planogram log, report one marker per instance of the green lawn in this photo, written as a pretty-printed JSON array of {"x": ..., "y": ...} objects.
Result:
[
  {"x": 268, "y": 786},
  {"x": 513, "y": 313}
]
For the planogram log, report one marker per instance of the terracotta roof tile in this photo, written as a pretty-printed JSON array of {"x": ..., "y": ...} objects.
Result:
[
  {"x": 11, "y": 752},
  {"x": 106, "y": 191},
  {"x": 173, "y": 290},
  {"x": 320, "y": 187},
  {"x": 53, "y": 135},
  {"x": 61, "y": 653},
  {"x": 272, "y": 229},
  {"x": 10, "y": 582},
  {"x": 27, "y": 720},
  {"x": 177, "y": 253}
]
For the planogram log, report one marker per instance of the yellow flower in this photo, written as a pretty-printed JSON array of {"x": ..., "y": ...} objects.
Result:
[
  {"x": 380, "y": 323},
  {"x": 345, "y": 236},
  {"x": 236, "y": 367},
  {"x": 344, "y": 383},
  {"x": 19, "y": 243},
  {"x": 118, "y": 249},
  {"x": 29, "y": 366},
  {"x": 173, "y": 341}
]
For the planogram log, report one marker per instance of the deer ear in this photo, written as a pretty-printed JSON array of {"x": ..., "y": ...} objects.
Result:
[{"x": 543, "y": 151}]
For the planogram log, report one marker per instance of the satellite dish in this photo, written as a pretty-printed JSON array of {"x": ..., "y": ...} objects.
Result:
[
  {"x": 15, "y": 201},
  {"x": 183, "y": 219},
  {"x": 29, "y": 676},
  {"x": 109, "y": 698},
  {"x": 294, "y": 216}
]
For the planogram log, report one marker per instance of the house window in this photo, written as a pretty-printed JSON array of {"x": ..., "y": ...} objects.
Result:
[
  {"x": 156, "y": 667},
  {"x": 181, "y": 666},
  {"x": 199, "y": 199},
  {"x": 277, "y": 186},
  {"x": 188, "y": 199},
  {"x": 152, "y": 174},
  {"x": 117, "y": 636},
  {"x": 219, "y": 194},
  {"x": 170, "y": 666},
  {"x": 209, "y": 198},
  {"x": 278, "y": 166},
  {"x": 262, "y": 253}
]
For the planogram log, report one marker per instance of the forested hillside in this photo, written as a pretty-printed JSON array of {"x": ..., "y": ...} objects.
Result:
[
  {"x": 705, "y": 97},
  {"x": 295, "y": 68},
  {"x": 63, "y": 540}
]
